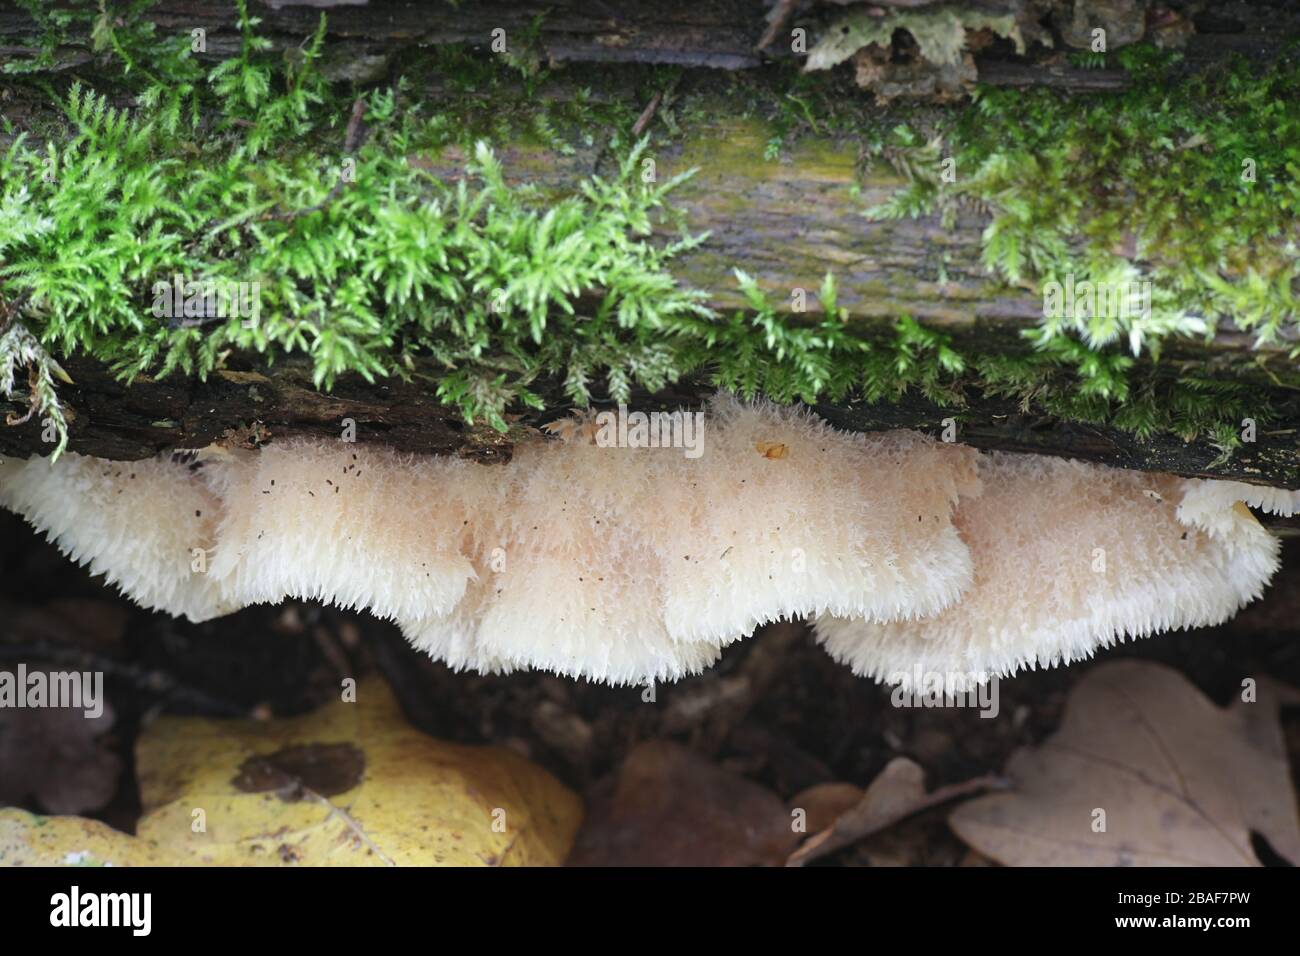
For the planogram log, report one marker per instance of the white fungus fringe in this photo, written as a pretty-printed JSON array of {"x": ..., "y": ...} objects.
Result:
[{"x": 631, "y": 564}]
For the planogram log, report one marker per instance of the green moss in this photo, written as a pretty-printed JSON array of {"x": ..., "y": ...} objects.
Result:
[
  {"x": 1066, "y": 379},
  {"x": 1186, "y": 182},
  {"x": 234, "y": 173},
  {"x": 499, "y": 284}
]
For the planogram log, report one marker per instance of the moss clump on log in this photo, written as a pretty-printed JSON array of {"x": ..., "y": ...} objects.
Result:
[
  {"x": 1170, "y": 186},
  {"x": 370, "y": 258}
]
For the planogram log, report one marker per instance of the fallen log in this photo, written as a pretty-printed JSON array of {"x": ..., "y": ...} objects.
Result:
[
  {"x": 247, "y": 404},
  {"x": 366, "y": 35},
  {"x": 785, "y": 222}
]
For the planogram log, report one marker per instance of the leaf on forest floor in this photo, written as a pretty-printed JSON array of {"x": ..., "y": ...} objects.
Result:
[
  {"x": 824, "y": 803},
  {"x": 350, "y": 784},
  {"x": 670, "y": 806},
  {"x": 1144, "y": 771},
  {"x": 57, "y": 757},
  {"x": 898, "y": 793}
]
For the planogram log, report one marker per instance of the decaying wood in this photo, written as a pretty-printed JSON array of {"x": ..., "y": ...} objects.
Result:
[
  {"x": 785, "y": 222},
  {"x": 718, "y": 34},
  {"x": 247, "y": 404}
]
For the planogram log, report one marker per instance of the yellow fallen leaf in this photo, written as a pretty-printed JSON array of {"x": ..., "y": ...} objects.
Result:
[
  {"x": 351, "y": 784},
  {"x": 30, "y": 840}
]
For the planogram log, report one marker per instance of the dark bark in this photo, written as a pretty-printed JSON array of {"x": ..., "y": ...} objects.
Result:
[
  {"x": 717, "y": 34},
  {"x": 248, "y": 404}
]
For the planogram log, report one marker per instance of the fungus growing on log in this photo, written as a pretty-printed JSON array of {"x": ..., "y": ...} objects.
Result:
[
  {"x": 571, "y": 583},
  {"x": 785, "y": 517},
  {"x": 632, "y": 564},
  {"x": 1069, "y": 558},
  {"x": 356, "y": 526},
  {"x": 1217, "y": 506},
  {"x": 145, "y": 525},
  {"x": 595, "y": 555}
]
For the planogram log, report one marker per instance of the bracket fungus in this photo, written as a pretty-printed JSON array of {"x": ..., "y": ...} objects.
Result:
[
  {"x": 137, "y": 523},
  {"x": 633, "y": 561},
  {"x": 785, "y": 517},
  {"x": 356, "y": 526},
  {"x": 633, "y": 564},
  {"x": 1071, "y": 557}
]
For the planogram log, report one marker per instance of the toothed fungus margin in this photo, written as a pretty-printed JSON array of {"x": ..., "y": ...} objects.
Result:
[{"x": 635, "y": 564}]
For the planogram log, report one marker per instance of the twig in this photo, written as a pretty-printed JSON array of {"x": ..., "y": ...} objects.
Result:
[
  {"x": 11, "y": 309},
  {"x": 647, "y": 114},
  {"x": 777, "y": 21},
  {"x": 664, "y": 97},
  {"x": 331, "y": 649},
  {"x": 355, "y": 132}
]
